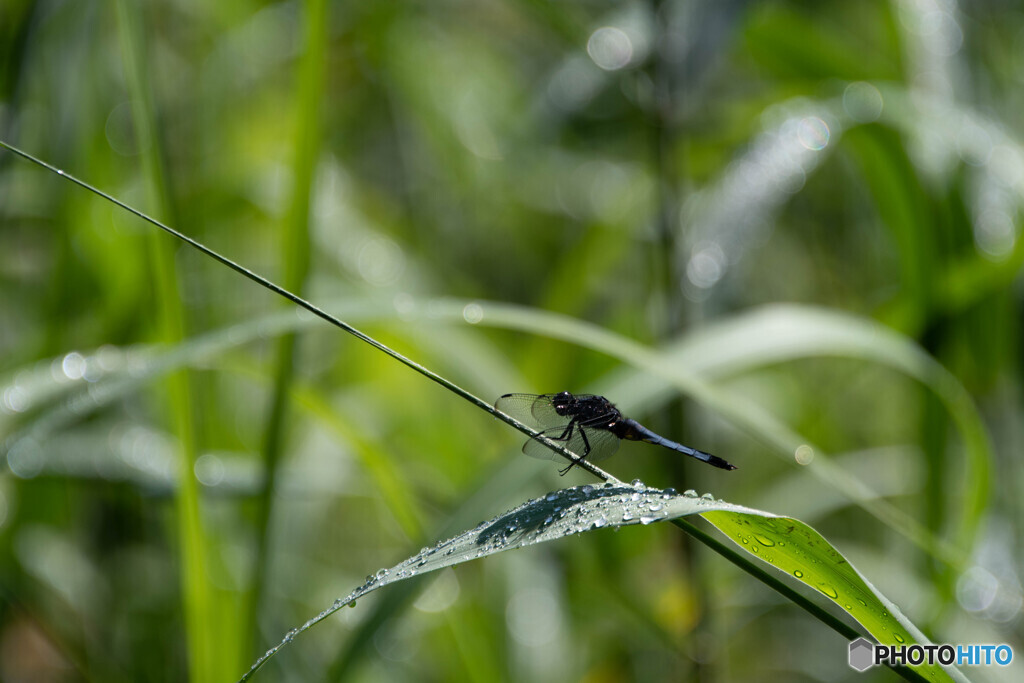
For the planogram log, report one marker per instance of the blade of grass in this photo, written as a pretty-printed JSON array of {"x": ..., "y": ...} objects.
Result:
[
  {"x": 685, "y": 364},
  {"x": 690, "y": 378},
  {"x": 787, "y": 333},
  {"x": 295, "y": 248},
  {"x": 783, "y": 542},
  {"x": 201, "y": 633},
  {"x": 772, "y": 580}
]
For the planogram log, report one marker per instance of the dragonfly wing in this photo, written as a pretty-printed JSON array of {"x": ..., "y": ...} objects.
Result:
[
  {"x": 603, "y": 443},
  {"x": 596, "y": 444},
  {"x": 536, "y": 448},
  {"x": 543, "y": 410},
  {"x": 531, "y": 409}
]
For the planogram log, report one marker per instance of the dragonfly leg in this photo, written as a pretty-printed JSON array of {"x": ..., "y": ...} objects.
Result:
[{"x": 586, "y": 446}]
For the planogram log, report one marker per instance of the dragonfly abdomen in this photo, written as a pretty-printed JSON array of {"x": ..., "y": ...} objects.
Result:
[{"x": 637, "y": 432}]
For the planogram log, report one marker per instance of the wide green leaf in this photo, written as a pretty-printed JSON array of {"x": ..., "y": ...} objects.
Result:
[{"x": 787, "y": 544}]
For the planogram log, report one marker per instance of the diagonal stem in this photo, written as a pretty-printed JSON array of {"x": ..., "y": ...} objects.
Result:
[{"x": 323, "y": 315}]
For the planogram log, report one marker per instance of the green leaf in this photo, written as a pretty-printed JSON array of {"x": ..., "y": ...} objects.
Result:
[
  {"x": 787, "y": 544},
  {"x": 795, "y": 548}
]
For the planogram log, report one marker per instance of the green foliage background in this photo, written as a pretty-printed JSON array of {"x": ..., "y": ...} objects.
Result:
[{"x": 407, "y": 164}]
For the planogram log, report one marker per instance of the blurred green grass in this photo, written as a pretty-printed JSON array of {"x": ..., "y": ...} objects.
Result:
[{"x": 860, "y": 158}]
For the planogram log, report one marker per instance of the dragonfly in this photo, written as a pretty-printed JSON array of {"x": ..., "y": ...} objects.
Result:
[{"x": 586, "y": 424}]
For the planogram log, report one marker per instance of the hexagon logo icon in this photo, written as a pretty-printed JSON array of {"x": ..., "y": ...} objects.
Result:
[{"x": 861, "y": 657}]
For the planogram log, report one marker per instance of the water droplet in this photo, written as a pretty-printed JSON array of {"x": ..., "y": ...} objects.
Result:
[
  {"x": 708, "y": 496},
  {"x": 690, "y": 493},
  {"x": 600, "y": 522},
  {"x": 588, "y": 489},
  {"x": 637, "y": 484},
  {"x": 473, "y": 313},
  {"x": 654, "y": 507},
  {"x": 382, "y": 574},
  {"x": 829, "y": 591},
  {"x": 290, "y": 636},
  {"x": 670, "y": 492},
  {"x": 898, "y": 637},
  {"x": 764, "y": 540},
  {"x": 352, "y": 604},
  {"x": 627, "y": 515},
  {"x": 647, "y": 519},
  {"x": 551, "y": 496},
  {"x": 798, "y": 574},
  {"x": 862, "y": 602}
]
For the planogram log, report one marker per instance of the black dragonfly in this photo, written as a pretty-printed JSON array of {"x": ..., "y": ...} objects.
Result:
[{"x": 588, "y": 425}]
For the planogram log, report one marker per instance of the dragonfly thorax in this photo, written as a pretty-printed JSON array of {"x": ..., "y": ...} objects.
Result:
[{"x": 595, "y": 410}]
